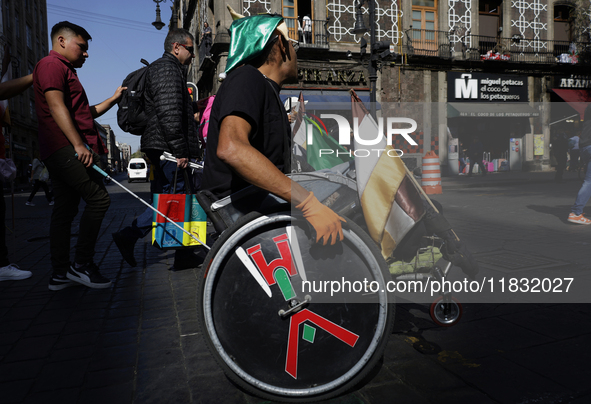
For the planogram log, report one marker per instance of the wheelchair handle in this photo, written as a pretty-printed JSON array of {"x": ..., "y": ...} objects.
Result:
[{"x": 166, "y": 156}]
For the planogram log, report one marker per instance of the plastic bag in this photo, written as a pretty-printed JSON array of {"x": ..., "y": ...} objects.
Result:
[
  {"x": 7, "y": 170},
  {"x": 44, "y": 175}
]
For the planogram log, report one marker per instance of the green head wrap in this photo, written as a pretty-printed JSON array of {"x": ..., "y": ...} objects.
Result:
[{"x": 249, "y": 36}]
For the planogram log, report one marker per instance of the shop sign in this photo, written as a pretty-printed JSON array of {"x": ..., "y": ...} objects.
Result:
[
  {"x": 485, "y": 87},
  {"x": 331, "y": 76},
  {"x": 573, "y": 81}
]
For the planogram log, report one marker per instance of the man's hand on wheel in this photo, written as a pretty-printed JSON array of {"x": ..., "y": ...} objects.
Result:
[{"x": 326, "y": 223}]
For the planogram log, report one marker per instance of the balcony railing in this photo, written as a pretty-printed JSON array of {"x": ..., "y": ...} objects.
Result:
[
  {"x": 316, "y": 38},
  {"x": 429, "y": 43},
  {"x": 422, "y": 42},
  {"x": 516, "y": 49}
]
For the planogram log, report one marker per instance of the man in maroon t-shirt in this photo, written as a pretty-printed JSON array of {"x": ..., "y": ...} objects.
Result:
[{"x": 66, "y": 126}]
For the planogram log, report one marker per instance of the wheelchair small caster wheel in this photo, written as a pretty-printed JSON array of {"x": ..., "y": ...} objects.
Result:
[{"x": 446, "y": 314}]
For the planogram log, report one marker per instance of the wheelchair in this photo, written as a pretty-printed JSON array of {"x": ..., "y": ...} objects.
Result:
[{"x": 273, "y": 334}]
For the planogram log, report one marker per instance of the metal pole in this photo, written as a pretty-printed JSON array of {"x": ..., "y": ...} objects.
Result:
[
  {"x": 372, "y": 68},
  {"x": 174, "y": 21}
]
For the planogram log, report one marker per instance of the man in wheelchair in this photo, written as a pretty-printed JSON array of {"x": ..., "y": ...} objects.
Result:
[
  {"x": 250, "y": 138},
  {"x": 249, "y": 134}
]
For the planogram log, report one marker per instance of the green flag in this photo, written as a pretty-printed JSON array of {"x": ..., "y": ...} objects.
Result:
[{"x": 324, "y": 152}]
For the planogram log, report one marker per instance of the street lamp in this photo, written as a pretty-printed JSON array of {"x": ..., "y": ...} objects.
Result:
[
  {"x": 158, "y": 23},
  {"x": 360, "y": 29}
]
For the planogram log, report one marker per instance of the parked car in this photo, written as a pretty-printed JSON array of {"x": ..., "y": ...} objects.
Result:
[{"x": 138, "y": 170}]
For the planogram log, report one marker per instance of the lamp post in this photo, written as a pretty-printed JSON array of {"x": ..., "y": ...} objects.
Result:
[
  {"x": 158, "y": 24},
  {"x": 372, "y": 68}
]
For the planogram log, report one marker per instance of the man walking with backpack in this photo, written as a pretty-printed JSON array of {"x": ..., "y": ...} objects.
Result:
[{"x": 170, "y": 128}]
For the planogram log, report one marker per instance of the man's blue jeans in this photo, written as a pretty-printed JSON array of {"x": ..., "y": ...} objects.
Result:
[{"x": 585, "y": 191}]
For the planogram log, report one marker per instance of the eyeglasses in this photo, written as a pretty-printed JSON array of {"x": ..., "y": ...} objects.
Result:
[
  {"x": 189, "y": 49},
  {"x": 295, "y": 44}
]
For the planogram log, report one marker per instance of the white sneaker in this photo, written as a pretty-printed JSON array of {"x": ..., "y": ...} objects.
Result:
[
  {"x": 29, "y": 203},
  {"x": 12, "y": 272}
]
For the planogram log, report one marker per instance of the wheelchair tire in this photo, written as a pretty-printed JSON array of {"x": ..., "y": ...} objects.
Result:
[
  {"x": 446, "y": 314},
  {"x": 255, "y": 345}
]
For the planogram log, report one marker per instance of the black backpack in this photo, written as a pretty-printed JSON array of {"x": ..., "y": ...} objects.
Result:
[{"x": 131, "y": 115}]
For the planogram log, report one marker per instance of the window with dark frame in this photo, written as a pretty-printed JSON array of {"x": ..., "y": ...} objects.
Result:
[
  {"x": 563, "y": 22},
  {"x": 490, "y": 17}
]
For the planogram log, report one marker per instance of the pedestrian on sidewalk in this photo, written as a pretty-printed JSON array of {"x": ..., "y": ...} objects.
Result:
[
  {"x": 39, "y": 181},
  {"x": 573, "y": 146},
  {"x": 560, "y": 149},
  {"x": 171, "y": 129},
  {"x": 576, "y": 215},
  {"x": 9, "y": 271},
  {"x": 475, "y": 152},
  {"x": 69, "y": 143}
]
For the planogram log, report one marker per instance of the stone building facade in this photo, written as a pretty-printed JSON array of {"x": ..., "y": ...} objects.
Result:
[
  {"x": 505, "y": 70},
  {"x": 23, "y": 28}
]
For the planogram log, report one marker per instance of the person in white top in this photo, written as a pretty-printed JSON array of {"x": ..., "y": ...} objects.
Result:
[
  {"x": 38, "y": 182},
  {"x": 307, "y": 29}
]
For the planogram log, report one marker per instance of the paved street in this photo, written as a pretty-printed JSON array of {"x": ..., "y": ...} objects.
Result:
[{"x": 138, "y": 342}]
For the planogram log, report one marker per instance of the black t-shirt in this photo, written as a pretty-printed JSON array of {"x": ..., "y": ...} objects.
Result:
[{"x": 248, "y": 94}]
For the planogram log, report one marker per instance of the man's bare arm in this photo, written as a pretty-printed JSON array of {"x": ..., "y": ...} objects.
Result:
[
  {"x": 235, "y": 150},
  {"x": 10, "y": 88},
  {"x": 99, "y": 109},
  {"x": 61, "y": 115}
]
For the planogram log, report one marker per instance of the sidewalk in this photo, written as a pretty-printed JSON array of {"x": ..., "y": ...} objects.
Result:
[
  {"x": 504, "y": 178},
  {"x": 139, "y": 342}
]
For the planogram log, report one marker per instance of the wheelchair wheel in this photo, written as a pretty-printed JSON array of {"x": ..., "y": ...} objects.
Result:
[
  {"x": 273, "y": 338},
  {"x": 446, "y": 314}
]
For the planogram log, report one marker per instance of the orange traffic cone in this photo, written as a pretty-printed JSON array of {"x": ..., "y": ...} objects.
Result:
[{"x": 431, "y": 179}]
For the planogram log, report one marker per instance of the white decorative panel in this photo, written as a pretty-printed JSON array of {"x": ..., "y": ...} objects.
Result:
[
  {"x": 387, "y": 20},
  {"x": 587, "y": 13},
  {"x": 460, "y": 22},
  {"x": 526, "y": 22},
  {"x": 248, "y": 3}
]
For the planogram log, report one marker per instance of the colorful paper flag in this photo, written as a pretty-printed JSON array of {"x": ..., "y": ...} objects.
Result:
[{"x": 391, "y": 204}]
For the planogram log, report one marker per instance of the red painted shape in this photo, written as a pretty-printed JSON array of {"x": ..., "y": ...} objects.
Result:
[
  {"x": 291, "y": 363},
  {"x": 285, "y": 261}
]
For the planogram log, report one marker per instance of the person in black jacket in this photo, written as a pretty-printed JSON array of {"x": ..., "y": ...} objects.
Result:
[{"x": 171, "y": 128}]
